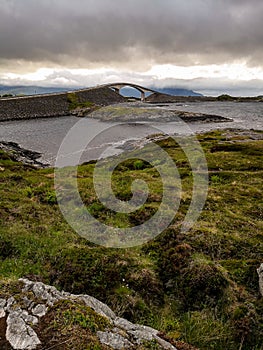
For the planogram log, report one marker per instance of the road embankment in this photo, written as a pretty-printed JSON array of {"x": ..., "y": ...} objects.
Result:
[{"x": 54, "y": 105}]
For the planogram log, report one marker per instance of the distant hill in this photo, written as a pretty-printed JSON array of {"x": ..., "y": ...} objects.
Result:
[
  {"x": 177, "y": 92},
  {"x": 29, "y": 90}
]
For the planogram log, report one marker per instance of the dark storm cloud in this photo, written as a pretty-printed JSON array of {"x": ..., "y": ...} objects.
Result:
[{"x": 118, "y": 31}]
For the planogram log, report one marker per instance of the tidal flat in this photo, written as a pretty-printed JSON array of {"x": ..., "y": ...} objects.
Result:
[{"x": 199, "y": 288}]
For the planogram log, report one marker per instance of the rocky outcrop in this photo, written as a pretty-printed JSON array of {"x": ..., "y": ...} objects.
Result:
[
  {"x": 134, "y": 112},
  {"x": 19, "y": 154},
  {"x": 260, "y": 275},
  {"x": 21, "y": 314}
]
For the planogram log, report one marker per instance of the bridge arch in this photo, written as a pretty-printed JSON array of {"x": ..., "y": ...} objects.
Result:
[{"x": 118, "y": 86}]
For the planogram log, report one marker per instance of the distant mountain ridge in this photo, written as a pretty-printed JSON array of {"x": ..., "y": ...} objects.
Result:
[
  {"x": 29, "y": 90},
  {"x": 177, "y": 91}
]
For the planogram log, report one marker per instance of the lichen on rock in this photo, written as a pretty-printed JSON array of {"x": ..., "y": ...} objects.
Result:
[{"x": 36, "y": 305}]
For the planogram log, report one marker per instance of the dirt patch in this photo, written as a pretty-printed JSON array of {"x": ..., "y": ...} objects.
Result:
[{"x": 4, "y": 344}]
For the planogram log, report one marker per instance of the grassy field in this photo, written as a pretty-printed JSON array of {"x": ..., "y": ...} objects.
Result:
[{"x": 200, "y": 287}]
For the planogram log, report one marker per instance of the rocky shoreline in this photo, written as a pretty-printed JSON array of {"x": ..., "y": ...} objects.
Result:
[
  {"x": 139, "y": 112},
  {"x": 17, "y": 153},
  {"x": 121, "y": 112},
  {"x": 31, "y": 158}
]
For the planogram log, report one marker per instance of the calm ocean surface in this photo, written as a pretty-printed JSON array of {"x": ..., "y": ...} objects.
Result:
[{"x": 46, "y": 135}]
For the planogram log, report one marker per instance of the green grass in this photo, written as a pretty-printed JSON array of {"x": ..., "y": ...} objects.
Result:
[
  {"x": 200, "y": 287},
  {"x": 74, "y": 102}
]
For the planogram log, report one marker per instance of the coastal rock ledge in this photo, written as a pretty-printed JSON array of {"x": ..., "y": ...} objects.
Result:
[{"x": 29, "y": 309}]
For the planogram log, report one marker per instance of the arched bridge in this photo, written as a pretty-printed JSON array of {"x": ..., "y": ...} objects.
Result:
[{"x": 117, "y": 86}]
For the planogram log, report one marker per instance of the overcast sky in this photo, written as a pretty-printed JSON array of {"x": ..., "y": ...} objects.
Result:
[{"x": 211, "y": 46}]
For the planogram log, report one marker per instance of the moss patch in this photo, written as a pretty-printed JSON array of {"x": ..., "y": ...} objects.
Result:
[{"x": 70, "y": 325}]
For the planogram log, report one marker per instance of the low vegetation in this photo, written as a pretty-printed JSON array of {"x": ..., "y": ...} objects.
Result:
[
  {"x": 226, "y": 97},
  {"x": 6, "y": 95},
  {"x": 200, "y": 287},
  {"x": 75, "y": 103}
]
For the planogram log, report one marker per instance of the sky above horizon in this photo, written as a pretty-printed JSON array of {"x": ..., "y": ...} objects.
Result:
[{"x": 210, "y": 46}]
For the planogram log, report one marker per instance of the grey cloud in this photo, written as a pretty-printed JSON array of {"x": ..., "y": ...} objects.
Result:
[{"x": 113, "y": 32}]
